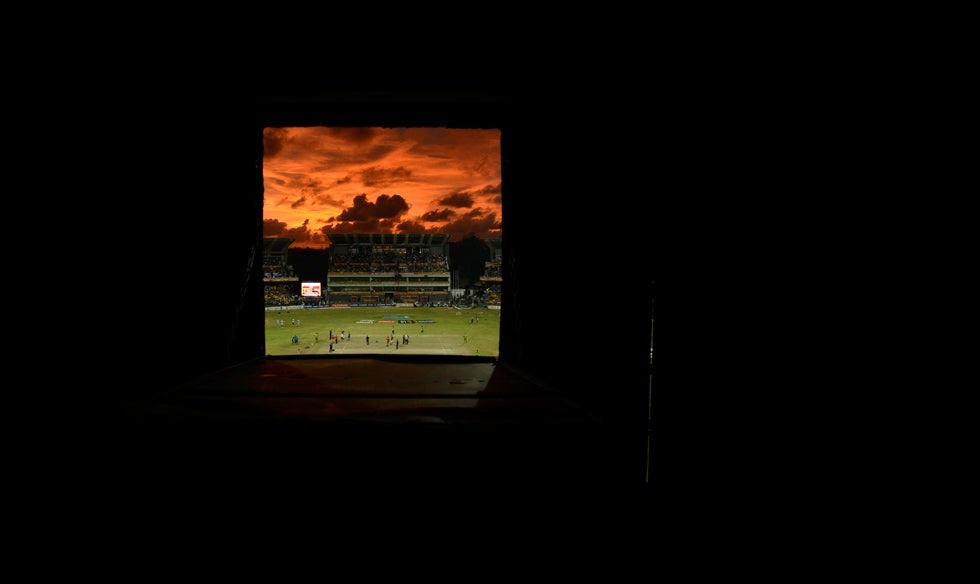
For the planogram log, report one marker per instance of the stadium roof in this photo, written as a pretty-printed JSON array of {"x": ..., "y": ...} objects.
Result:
[
  {"x": 276, "y": 245},
  {"x": 388, "y": 238}
]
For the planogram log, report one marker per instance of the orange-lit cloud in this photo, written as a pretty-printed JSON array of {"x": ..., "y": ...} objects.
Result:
[{"x": 321, "y": 180}]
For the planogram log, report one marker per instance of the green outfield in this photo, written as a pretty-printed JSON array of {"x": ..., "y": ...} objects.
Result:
[{"x": 431, "y": 331}]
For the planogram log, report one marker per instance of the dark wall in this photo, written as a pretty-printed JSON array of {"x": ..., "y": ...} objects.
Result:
[
  {"x": 576, "y": 171},
  {"x": 579, "y": 205},
  {"x": 195, "y": 244},
  {"x": 166, "y": 211}
]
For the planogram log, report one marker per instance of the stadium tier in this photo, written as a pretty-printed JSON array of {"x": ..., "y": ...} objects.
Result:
[
  {"x": 492, "y": 277},
  {"x": 379, "y": 269},
  {"x": 371, "y": 269},
  {"x": 275, "y": 267}
]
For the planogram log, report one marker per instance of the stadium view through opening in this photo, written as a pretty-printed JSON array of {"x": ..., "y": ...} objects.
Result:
[
  {"x": 383, "y": 293},
  {"x": 382, "y": 239}
]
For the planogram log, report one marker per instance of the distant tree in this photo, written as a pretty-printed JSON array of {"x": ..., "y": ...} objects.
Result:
[
  {"x": 309, "y": 264},
  {"x": 469, "y": 256}
]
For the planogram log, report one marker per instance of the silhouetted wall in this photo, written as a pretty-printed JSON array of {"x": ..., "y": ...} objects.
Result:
[{"x": 572, "y": 171}]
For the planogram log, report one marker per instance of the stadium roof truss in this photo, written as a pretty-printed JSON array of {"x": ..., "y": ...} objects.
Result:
[
  {"x": 388, "y": 238},
  {"x": 275, "y": 246}
]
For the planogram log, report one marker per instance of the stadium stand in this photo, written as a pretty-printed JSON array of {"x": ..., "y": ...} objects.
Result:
[
  {"x": 380, "y": 269},
  {"x": 281, "y": 285},
  {"x": 372, "y": 269},
  {"x": 492, "y": 278}
]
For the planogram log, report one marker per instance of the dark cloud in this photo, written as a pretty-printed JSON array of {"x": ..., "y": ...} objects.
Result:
[
  {"x": 440, "y": 215},
  {"x": 362, "y": 216},
  {"x": 273, "y": 140},
  {"x": 353, "y": 135},
  {"x": 384, "y": 207},
  {"x": 372, "y": 225},
  {"x": 490, "y": 191},
  {"x": 273, "y": 228},
  {"x": 313, "y": 176},
  {"x": 300, "y": 235},
  {"x": 382, "y": 217},
  {"x": 381, "y": 177},
  {"x": 479, "y": 222},
  {"x": 457, "y": 200},
  {"x": 326, "y": 199},
  {"x": 415, "y": 227}
]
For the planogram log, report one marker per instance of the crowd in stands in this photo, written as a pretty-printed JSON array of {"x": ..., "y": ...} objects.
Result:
[
  {"x": 493, "y": 270},
  {"x": 492, "y": 274},
  {"x": 417, "y": 261},
  {"x": 389, "y": 262},
  {"x": 273, "y": 268},
  {"x": 493, "y": 295},
  {"x": 281, "y": 294}
]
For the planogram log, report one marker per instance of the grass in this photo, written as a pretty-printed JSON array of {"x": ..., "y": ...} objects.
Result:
[{"x": 450, "y": 331}]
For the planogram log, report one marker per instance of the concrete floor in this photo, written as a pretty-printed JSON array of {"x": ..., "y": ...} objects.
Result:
[
  {"x": 309, "y": 427},
  {"x": 371, "y": 389}
]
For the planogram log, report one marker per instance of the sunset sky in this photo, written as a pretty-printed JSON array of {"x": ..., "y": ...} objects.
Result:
[{"x": 321, "y": 180}]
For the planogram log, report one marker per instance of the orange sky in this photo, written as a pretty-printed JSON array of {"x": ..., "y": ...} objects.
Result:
[{"x": 321, "y": 180}]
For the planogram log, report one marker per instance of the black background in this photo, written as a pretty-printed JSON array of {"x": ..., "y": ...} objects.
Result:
[{"x": 586, "y": 164}]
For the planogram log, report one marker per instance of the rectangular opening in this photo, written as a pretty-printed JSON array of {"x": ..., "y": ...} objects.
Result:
[{"x": 382, "y": 240}]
